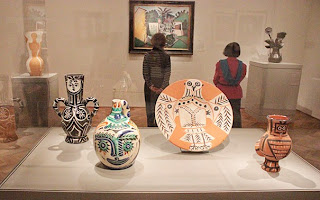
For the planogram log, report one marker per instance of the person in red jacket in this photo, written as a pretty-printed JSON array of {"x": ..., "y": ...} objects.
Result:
[{"x": 228, "y": 76}]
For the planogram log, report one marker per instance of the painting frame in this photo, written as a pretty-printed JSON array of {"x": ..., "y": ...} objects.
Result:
[{"x": 173, "y": 18}]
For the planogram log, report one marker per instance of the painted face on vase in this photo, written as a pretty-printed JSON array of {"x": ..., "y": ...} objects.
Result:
[
  {"x": 74, "y": 83},
  {"x": 117, "y": 149}
]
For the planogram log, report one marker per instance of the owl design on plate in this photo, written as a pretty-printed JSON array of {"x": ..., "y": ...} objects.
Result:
[{"x": 194, "y": 115}]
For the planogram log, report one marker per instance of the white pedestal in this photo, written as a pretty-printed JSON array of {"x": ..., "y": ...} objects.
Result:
[
  {"x": 37, "y": 94},
  {"x": 272, "y": 89}
]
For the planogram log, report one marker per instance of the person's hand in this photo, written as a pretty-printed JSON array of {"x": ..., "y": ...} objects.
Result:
[
  {"x": 152, "y": 88},
  {"x": 159, "y": 90},
  {"x": 155, "y": 89}
]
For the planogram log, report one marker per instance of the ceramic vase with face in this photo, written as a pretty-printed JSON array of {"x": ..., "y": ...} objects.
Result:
[
  {"x": 35, "y": 64},
  {"x": 76, "y": 118},
  {"x": 275, "y": 144},
  {"x": 117, "y": 138}
]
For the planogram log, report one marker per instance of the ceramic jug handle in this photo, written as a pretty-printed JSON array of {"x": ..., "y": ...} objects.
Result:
[
  {"x": 95, "y": 105},
  {"x": 19, "y": 101},
  {"x": 55, "y": 105},
  {"x": 125, "y": 108}
]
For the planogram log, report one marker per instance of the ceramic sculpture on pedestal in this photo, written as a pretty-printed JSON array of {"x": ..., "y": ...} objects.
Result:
[
  {"x": 275, "y": 144},
  {"x": 117, "y": 138},
  {"x": 275, "y": 45},
  {"x": 34, "y": 63},
  {"x": 194, "y": 115},
  {"x": 75, "y": 118}
]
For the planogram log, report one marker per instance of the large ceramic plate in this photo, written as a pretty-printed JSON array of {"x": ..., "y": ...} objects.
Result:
[{"x": 194, "y": 115}]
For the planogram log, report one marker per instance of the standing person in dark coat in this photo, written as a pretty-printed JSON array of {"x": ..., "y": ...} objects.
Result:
[
  {"x": 228, "y": 76},
  {"x": 156, "y": 73}
]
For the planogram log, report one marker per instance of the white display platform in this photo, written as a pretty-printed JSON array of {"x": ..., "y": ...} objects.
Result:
[
  {"x": 272, "y": 89},
  {"x": 58, "y": 170}
]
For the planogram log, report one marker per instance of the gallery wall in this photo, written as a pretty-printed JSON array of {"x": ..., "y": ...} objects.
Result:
[
  {"x": 12, "y": 43},
  {"x": 309, "y": 93},
  {"x": 91, "y": 37}
]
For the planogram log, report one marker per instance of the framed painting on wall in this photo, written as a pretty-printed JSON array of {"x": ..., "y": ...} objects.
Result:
[{"x": 172, "y": 18}]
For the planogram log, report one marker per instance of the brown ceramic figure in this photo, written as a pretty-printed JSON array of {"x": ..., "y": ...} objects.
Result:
[
  {"x": 275, "y": 144},
  {"x": 34, "y": 63}
]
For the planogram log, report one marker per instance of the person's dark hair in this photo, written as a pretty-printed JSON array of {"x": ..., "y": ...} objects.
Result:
[
  {"x": 232, "y": 50},
  {"x": 158, "y": 40}
]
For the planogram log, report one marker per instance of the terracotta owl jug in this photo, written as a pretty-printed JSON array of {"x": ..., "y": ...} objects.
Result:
[
  {"x": 117, "y": 138},
  {"x": 35, "y": 64},
  {"x": 76, "y": 118},
  {"x": 275, "y": 144}
]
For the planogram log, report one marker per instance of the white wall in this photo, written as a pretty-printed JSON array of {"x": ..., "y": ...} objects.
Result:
[
  {"x": 309, "y": 95},
  {"x": 91, "y": 37},
  {"x": 12, "y": 47}
]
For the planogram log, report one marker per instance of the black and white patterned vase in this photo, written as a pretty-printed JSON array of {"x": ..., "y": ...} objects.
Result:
[{"x": 76, "y": 118}]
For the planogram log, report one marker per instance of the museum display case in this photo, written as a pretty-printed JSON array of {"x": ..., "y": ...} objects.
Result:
[
  {"x": 55, "y": 169},
  {"x": 87, "y": 143}
]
